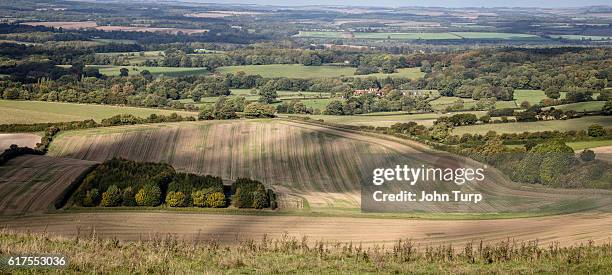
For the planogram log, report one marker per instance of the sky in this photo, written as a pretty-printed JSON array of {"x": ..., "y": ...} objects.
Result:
[{"x": 424, "y": 3}]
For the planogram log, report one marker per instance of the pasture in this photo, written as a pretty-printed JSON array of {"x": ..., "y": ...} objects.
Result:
[
  {"x": 33, "y": 183},
  {"x": 41, "y": 111},
  {"x": 383, "y": 119},
  {"x": 538, "y": 126},
  {"x": 111, "y": 70},
  {"x": 301, "y": 71},
  {"x": 290, "y": 70},
  {"x": 582, "y": 106}
]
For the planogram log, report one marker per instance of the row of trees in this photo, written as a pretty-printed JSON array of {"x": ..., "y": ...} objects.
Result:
[{"x": 119, "y": 182}]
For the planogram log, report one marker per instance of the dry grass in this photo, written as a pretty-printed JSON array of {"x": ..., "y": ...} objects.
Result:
[{"x": 166, "y": 255}]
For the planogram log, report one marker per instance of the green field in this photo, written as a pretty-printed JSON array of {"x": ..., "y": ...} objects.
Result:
[
  {"x": 441, "y": 103},
  {"x": 417, "y": 36},
  {"x": 531, "y": 96},
  {"x": 582, "y": 106},
  {"x": 538, "y": 126},
  {"x": 111, "y": 70},
  {"x": 582, "y": 37},
  {"x": 383, "y": 119},
  {"x": 301, "y": 71},
  {"x": 39, "y": 111},
  {"x": 579, "y": 145},
  {"x": 290, "y": 70}
]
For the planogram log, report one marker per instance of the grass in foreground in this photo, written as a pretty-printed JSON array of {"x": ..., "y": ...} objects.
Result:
[
  {"x": 165, "y": 254},
  {"x": 41, "y": 111}
]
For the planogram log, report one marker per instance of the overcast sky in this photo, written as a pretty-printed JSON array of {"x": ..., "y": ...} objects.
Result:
[{"x": 425, "y": 3}]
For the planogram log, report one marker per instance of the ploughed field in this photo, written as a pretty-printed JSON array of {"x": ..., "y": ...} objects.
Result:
[
  {"x": 23, "y": 140},
  {"x": 34, "y": 183},
  {"x": 309, "y": 165}
]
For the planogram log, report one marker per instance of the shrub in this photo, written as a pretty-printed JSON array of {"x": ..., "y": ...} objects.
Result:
[
  {"x": 149, "y": 195},
  {"x": 596, "y": 130},
  {"x": 176, "y": 199},
  {"x": 199, "y": 198},
  {"x": 587, "y": 155},
  {"x": 91, "y": 198},
  {"x": 128, "y": 197},
  {"x": 260, "y": 198},
  {"x": 215, "y": 200},
  {"x": 241, "y": 199},
  {"x": 112, "y": 196}
]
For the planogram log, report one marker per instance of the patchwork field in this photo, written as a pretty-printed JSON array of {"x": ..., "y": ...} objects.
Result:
[
  {"x": 33, "y": 183},
  {"x": 41, "y": 111},
  {"x": 74, "y": 25},
  {"x": 418, "y": 35},
  {"x": 111, "y": 70},
  {"x": 301, "y": 71},
  {"x": 27, "y": 140},
  {"x": 538, "y": 126},
  {"x": 310, "y": 165}
]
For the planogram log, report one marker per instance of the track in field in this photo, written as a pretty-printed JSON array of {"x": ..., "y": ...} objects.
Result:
[{"x": 33, "y": 183}]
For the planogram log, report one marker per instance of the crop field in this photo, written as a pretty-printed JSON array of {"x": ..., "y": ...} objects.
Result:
[
  {"x": 412, "y": 73},
  {"x": 580, "y": 145},
  {"x": 564, "y": 229},
  {"x": 23, "y": 140},
  {"x": 33, "y": 183},
  {"x": 418, "y": 35},
  {"x": 111, "y": 70},
  {"x": 320, "y": 165},
  {"x": 538, "y": 126},
  {"x": 41, "y": 111},
  {"x": 75, "y": 25}
]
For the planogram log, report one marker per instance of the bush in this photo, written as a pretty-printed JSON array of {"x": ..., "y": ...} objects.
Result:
[
  {"x": 259, "y": 110},
  {"x": 149, "y": 195},
  {"x": 596, "y": 130},
  {"x": 128, "y": 197},
  {"x": 91, "y": 198},
  {"x": 199, "y": 198},
  {"x": 112, "y": 197},
  {"x": 215, "y": 200},
  {"x": 260, "y": 198},
  {"x": 176, "y": 199},
  {"x": 587, "y": 155}
]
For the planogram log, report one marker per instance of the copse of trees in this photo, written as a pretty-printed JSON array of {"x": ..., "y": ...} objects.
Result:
[
  {"x": 224, "y": 108},
  {"x": 120, "y": 182}
]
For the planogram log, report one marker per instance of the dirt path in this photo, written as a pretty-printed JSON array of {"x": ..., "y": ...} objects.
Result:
[{"x": 566, "y": 230}]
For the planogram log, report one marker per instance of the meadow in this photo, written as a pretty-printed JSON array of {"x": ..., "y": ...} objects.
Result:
[
  {"x": 384, "y": 119},
  {"x": 538, "y": 126},
  {"x": 419, "y": 35},
  {"x": 440, "y": 104},
  {"x": 111, "y": 70},
  {"x": 41, "y": 111},
  {"x": 301, "y": 71}
]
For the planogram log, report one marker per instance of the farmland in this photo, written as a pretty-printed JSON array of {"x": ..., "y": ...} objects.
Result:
[
  {"x": 23, "y": 140},
  {"x": 301, "y": 71},
  {"x": 111, "y": 70},
  {"x": 582, "y": 106},
  {"x": 76, "y": 25},
  {"x": 418, "y": 35},
  {"x": 520, "y": 127},
  {"x": 33, "y": 183},
  {"x": 41, "y": 111},
  {"x": 384, "y": 119},
  {"x": 292, "y": 157}
]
